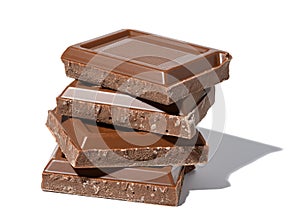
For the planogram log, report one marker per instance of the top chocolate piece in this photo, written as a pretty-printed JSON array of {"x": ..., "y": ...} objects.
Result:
[{"x": 147, "y": 66}]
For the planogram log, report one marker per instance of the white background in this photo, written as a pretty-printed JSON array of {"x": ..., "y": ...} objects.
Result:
[{"x": 262, "y": 96}]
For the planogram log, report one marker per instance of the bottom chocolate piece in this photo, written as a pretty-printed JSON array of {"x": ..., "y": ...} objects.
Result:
[{"x": 159, "y": 185}]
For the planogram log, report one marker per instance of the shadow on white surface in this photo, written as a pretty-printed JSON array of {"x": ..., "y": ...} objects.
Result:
[{"x": 232, "y": 154}]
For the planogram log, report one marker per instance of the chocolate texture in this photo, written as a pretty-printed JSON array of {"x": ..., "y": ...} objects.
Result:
[
  {"x": 148, "y": 66},
  {"x": 93, "y": 102},
  {"x": 156, "y": 185},
  {"x": 87, "y": 144}
]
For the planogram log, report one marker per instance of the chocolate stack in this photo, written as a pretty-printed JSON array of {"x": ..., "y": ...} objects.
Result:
[{"x": 126, "y": 127}]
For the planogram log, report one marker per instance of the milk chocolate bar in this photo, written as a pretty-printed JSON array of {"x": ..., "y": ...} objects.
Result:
[
  {"x": 148, "y": 66},
  {"x": 87, "y": 144},
  {"x": 159, "y": 185},
  {"x": 109, "y": 106}
]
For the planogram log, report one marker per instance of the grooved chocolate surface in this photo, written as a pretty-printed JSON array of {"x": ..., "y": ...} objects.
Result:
[
  {"x": 161, "y": 69},
  {"x": 87, "y": 144},
  {"x": 92, "y": 102},
  {"x": 157, "y": 185}
]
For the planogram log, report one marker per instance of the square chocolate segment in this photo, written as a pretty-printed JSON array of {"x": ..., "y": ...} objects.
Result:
[
  {"x": 92, "y": 102},
  {"x": 146, "y": 65},
  {"x": 156, "y": 185},
  {"x": 87, "y": 144}
]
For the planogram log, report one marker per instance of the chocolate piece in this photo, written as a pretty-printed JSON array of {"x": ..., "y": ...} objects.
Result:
[
  {"x": 147, "y": 66},
  {"x": 159, "y": 185},
  {"x": 111, "y": 107},
  {"x": 88, "y": 145}
]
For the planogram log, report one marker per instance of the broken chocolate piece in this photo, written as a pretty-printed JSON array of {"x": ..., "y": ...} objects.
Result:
[
  {"x": 147, "y": 66},
  {"x": 111, "y": 107},
  {"x": 87, "y": 144},
  {"x": 156, "y": 185}
]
